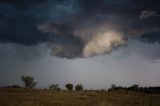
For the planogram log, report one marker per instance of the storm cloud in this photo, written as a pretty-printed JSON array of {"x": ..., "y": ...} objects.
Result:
[{"x": 79, "y": 28}]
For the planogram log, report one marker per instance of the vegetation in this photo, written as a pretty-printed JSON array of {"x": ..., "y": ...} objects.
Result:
[
  {"x": 44, "y": 97},
  {"x": 133, "y": 87},
  {"x": 29, "y": 81},
  {"x": 54, "y": 87},
  {"x": 136, "y": 88},
  {"x": 69, "y": 86},
  {"x": 79, "y": 87},
  {"x": 134, "y": 95},
  {"x": 113, "y": 86}
]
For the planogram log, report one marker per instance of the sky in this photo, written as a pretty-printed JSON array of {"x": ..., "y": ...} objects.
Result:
[{"x": 91, "y": 42}]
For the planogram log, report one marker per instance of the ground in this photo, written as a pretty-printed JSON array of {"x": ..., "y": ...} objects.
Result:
[{"x": 44, "y": 97}]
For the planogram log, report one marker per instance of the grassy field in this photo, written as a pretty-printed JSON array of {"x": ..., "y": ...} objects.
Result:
[{"x": 39, "y": 97}]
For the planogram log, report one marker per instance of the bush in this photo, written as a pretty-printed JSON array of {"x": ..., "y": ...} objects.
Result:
[
  {"x": 79, "y": 87},
  {"x": 69, "y": 86},
  {"x": 12, "y": 86},
  {"x": 54, "y": 87},
  {"x": 133, "y": 87}
]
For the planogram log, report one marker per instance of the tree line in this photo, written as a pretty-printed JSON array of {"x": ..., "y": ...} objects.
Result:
[
  {"x": 135, "y": 88},
  {"x": 30, "y": 83}
]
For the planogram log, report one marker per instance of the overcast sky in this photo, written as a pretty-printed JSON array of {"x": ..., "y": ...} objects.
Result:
[{"x": 92, "y": 42}]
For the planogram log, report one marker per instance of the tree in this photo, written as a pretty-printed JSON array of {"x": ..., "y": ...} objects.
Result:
[
  {"x": 28, "y": 81},
  {"x": 113, "y": 87},
  {"x": 134, "y": 87},
  {"x": 69, "y": 86},
  {"x": 79, "y": 87},
  {"x": 54, "y": 87}
]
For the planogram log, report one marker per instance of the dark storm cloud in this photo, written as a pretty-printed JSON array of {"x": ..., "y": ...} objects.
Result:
[
  {"x": 17, "y": 26},
  {"x": 19, "y": 19},
  {"x": 26, "y": 4},
  {"x": 72, "y": 28}
]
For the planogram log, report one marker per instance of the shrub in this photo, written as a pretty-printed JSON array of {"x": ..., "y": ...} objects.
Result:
[
  {"x": 79, "y": 87},
  {"x": 69, "y": 86},
  {"x": 54, "y": 87}
]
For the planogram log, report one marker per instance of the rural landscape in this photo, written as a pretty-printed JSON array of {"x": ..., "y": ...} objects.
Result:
[
  {"x": 79, "y": 52},
  {"x": 54, "y": 96}
]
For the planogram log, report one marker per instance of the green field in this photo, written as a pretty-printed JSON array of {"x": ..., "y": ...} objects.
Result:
[{"x": 41, "y": 97}]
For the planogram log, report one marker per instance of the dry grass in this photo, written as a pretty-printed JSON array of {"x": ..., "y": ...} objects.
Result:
[{"x": 38, "y": 97}]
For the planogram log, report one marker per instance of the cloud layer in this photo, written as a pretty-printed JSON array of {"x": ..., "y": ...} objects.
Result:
[
  {"x": 148, "y": 13},
  {"x": 103, "y": 43},
  {"x": 79, "y": 28}
]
